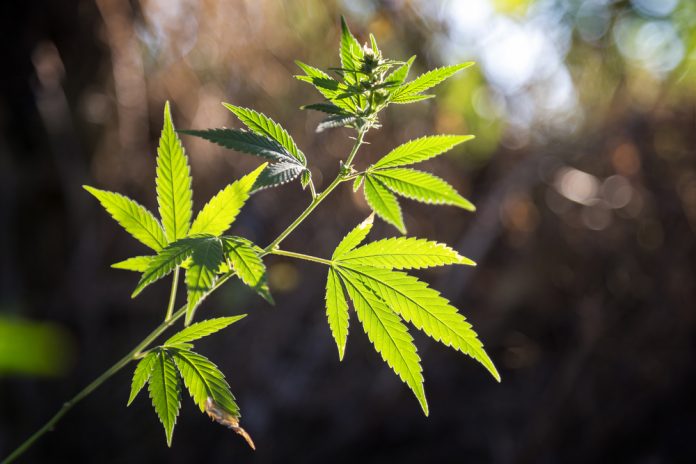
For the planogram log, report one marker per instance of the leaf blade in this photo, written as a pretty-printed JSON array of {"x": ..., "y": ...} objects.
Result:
[
  {"x": 383, "y": 203},
  {"x": 202, "y": 329},
  {"x": 421, "y": 149},
  {"x": 244, "y": 141},
  {"x": 403, "y": 253},
  {"x": 143, "y": 372},
  {"x": 202, "y": 274},
  {"x": 244, "y": 257},
  {"x": 337, "y": 311},
  {"x": 354, "y": 237},
  {"x": 431, "y": 79},
  {"x": 136, "y": 263},
  {"x": 165, "y": 392}
]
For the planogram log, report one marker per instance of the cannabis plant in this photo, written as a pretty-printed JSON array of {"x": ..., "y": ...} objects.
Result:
[{"x": 369, "y": 277}]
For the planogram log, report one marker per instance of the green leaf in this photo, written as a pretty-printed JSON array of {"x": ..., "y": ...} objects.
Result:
[
  {"x": 204, "y": 380},
  {"x": 358, "y": 182},
  {"x": 384, "y": 203},
  {"x": 173, "y": 182},
  {"x": 244, "y": 141},
  {"x": 165, "y": 392},
  {"x": 278, "y": 174},
  {"x": 425, "y": 308},
  {"x": 388, "y": 334},
  {"x": 245, "y": 258},
  {"x": 430, "y": 79},
  {"x": 403, "y": 99},
  {"x": 337, "y": 311},
  {"x": 329, "y": 87},
  {"x": 219, "y": 213},
  {"x": 351, "y": 53},
  {"x": 143, "y": 372},
  {"x": 399, "y": 75},
  {"x": 403, "y": 253},
  {"x": 421, "y": 149},
  {"x": 263, "y": 125},
  {"x": 328, "y": 108},
  {"x": 421, "y": 186},
  {"x": 202, "y": 274},
  {"x": 202, "y": 329},
  {"x": 354, "y": 237},
  {"x": 167, "y": 260},
  {"x": 133, "y": 217},
  {"x": 136, "y": 263},
  {"x": 333, "y": 122}
]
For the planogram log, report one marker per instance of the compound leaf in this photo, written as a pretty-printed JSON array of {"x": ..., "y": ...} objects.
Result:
[
  {"x": 219, "y": 213},
  {"x": 421, "y": 186},
  {"x": 165, "y": 392},
  {"x": 173, "y": 182},
  {"x": 403, "y": 253},
  {"x": 415, "y": 151},
  {"x": 351, "y": 53},
  {"x": 337, "y": 311},
  {"x": 142, "y": 374},
  {"x": 384, "y": 203},
  {"x": 202, "y": 329},
  {"x": 133, "y": 217}
]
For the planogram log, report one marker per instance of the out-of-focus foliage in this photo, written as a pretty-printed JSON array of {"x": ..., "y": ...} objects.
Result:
[{"x": 33, "y": 348}]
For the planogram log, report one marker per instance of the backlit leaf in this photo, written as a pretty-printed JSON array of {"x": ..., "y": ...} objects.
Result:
[{"x": 165, "y": 392}]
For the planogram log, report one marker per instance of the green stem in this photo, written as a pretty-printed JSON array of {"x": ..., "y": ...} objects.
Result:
[
  {"x": 172, "y": 317},
  {"x": 292, "y": 254},
  {"x": 172, "y": 295}
]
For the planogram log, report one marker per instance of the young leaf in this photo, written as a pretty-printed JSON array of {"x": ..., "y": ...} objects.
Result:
[
  {"x": 430, "y": 79},
  {"x": 204, "y": 380},
  {"x": 244, "y": 257},
  {"x": 244, "y": 141},
  {"x": 425, "y": 308},
  {"x": 202, "y": 274},
  {"x": 421, "y": 186},
  {"x": 388, "y": 334},
  {"x": 165, "y": 392},
  {"x": 351, "y": 53},
  {"x": 142, "y": 374},
  {"x": 278, "y": 174},
  {"x": 167, "y": 260},
  {"x": 384, "y": 203},
  {"x": 337, "y": 311},
  {"x": 328, "y": 108},
  {"x": 403, "y": 253},
  {"x": 399, "y": 75},
  {"x": 133, "y": 217},
  {"x": 335, "y": 121},
  {"x": 358, "y": 182},
  {"x": 202, "y": 329},
  {"x": 421, "y": 149},
  {"x": 403, "y": 99},
  {"x": 329, "y": 87},
  {"x": 263, "y": 125},
  {"x": 354, "y": 237},
  {"x": 219, "y": 213},
  {"x": 136, "y": 263},
  {"x": 173, "y": 182}
]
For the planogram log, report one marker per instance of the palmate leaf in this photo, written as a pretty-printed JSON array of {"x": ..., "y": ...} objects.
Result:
[
  {"x": 133, "y": 217},
  {"x": 278, "y": 174},
  {"x": 421, "y": 186},
  {"x": 136, "y": 263},
  {"x": 329, "y": 87},
  {"x": 202, "y": 274},
  {"x": 219, "y": 213},
  {"x": 173, "y": 182},
  {"x": 351, "y": 53},
  {"x": 384, "y": 203},
  {"x": 421, "y": 149},
  {"x": 246, "y": 142},
  {"x": 165, "y": 392},
  {"x": 167, "y": 260},
  {"x": 424, "y": 308},
  {"x": 429, "y": 79},
  {"x": 263, "y": 125},
  {"x": 204, "y": 380},
  {"x": 143, "y": 372},
  {"x": 202, "y": 329},
  {"x": 388, "y": 334},
  {"x": 403, "y": 253},
  {"x": 337, "y": 311},
  {"x": 245, "y": 258}
]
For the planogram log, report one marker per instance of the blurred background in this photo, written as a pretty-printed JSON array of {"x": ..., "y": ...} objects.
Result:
[{"x": 583, "y": 170}]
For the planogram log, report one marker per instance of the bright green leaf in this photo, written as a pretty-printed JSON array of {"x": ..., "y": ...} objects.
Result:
[
  {"x": 384, "y": 203},
  {"x": 421, "y": 149},
  {"x": 399, "y": 75},
  {"x": 403, "y": 99},
  {"x": 136, "y": 263},
  {"x": 244, "y": 257},
  {"x": 430, "y": 79},
  {"x": 173, "y": 182},
  {"x": 421, "y": 186},
  {"x": 351, "y": 53},
  {"x": 202, "y": 274},
  {"x": 202, "y": 329},
  {"x": 167, "y": 260},
  {"x": 403, "y": 253},
  {"x": 165, "y": 392},
  {"x": 133, "y": 217},
  {"x": 142, "y": 374},
  {"x": 337, "y": 311},
  {"x": 219, "y": 213},
  {"x": 354, "y": 237}
]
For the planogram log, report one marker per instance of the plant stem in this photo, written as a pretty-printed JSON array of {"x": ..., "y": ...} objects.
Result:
[
  {"x": 172, "y": 295},
  {"x": 292, "y": 254},
  {"x": 172, "y": 317}
]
